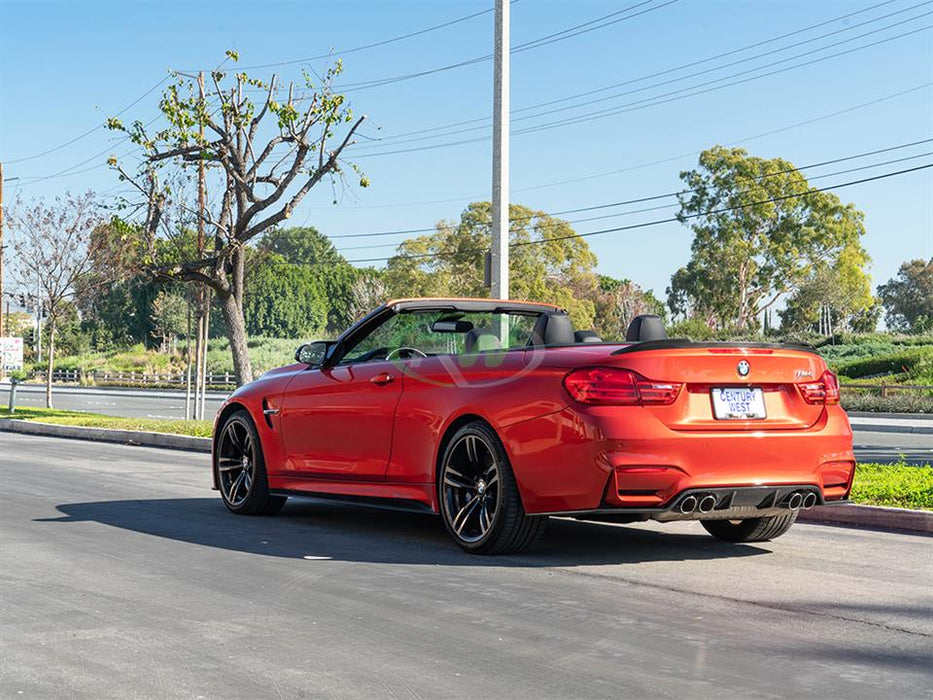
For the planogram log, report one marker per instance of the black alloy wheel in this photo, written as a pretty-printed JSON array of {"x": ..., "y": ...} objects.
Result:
[
  {"x": 240, "y": 469},
  {"x": 479, "y": 500}
]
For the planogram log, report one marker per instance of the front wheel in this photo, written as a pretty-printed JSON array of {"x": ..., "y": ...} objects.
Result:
[
  {"x": 240, "y": 469},
  {"x": 751, "y": 529},
  {"x": 478, "y": 497}
]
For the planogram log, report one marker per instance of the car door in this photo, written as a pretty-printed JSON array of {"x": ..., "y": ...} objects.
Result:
[{"x": 337, "y": 421}]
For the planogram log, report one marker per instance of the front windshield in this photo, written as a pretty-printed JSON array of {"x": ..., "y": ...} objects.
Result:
[{"x": 443, "y": 332}]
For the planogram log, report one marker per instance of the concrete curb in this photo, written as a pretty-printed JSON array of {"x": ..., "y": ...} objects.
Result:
[
  {"x": 871, "y": 516},
  {"x": 122, "y": 437},
  {"x": 881, "y": 428},
  {"x": 895, "y": 416}
]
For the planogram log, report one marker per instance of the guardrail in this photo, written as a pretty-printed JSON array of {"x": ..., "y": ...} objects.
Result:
[{"x": 133, "y": 378}]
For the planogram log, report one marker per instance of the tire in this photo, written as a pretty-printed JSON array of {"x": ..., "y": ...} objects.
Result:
[
  {"x": 750, "y": 530},
  {"x": 240, "y": 469},
  {"x": 478, "y": 497}
]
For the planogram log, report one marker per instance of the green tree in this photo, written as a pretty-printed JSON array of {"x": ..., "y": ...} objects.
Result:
[
  {"x": 759, "y": 230},
  {"x": 301, "y": 245},
  {"x": 307, "y": 247},
  {"x": 834, "y": 297},
  {"x": 908, "y": 297},
  {"x": 548, "y": 262},
  {"x": 284, "y": 300}
]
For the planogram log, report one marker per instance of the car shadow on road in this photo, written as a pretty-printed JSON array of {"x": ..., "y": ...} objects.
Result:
[{"x": 316, "y": 529}]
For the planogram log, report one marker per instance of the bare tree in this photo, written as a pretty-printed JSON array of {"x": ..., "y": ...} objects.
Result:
[
  {"x": 368, "y": 291},
  {"x": 54, "y": 249},
  {"x": 261, "y": 159}
]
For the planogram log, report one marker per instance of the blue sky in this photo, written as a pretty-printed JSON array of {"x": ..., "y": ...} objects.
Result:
[{"x": 66, "y": 66}]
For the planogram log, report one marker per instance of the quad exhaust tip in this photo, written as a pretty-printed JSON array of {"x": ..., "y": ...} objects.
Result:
[
  {"x": 704, "y": 503},
  {"x": 707, "y": 503}
]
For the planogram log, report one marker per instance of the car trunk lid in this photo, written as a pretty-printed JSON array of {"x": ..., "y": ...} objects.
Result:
[{"x": 768, "y": 377}]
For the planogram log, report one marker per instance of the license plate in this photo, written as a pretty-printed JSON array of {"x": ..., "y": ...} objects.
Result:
[{"x": 738, "y": 403}]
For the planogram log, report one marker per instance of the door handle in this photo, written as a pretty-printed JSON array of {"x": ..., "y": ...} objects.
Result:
[{"x": 382, "y": 379}]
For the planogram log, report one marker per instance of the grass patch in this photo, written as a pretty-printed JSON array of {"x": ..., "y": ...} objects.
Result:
[
  {"x": 894, "y": 485},
  {"x": 195, "y": 428}
]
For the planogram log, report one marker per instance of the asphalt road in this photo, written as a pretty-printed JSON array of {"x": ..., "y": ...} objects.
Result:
[
  {"x": 123, "y": 576},
  {"x": 912, "y": 448},
  {"x": 140, "y": 403}
]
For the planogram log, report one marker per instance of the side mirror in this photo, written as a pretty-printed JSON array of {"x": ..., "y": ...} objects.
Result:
[{"x": 313, "y": 354}]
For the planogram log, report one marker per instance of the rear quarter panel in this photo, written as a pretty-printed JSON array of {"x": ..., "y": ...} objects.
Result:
[{"x": 503, "y": 389}]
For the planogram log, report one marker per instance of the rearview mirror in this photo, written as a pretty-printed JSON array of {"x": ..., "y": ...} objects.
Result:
[
  {"x": 449, "y": 325},
  {"x": 313, "y": 354}
]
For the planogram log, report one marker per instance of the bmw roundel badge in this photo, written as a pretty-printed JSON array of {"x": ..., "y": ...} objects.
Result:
[{"x": 743, "y": 369}]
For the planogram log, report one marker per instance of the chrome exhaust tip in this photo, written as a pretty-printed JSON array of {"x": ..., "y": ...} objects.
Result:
[
  {"x": 809, "y": 500},
  {"x": 688, "y": 505},
  {"x": 707, "y": 503},
  {"x": 795, "y": 501}
]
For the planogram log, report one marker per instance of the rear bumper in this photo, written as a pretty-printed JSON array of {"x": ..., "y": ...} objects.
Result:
[
  {"x": 580, "y": 460},
  {"x": 717, "y": 504}
]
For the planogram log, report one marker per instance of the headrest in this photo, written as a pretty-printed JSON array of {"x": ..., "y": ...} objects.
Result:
[
  {"x": 480, "y": 340},
  {"x": 646, "y": 327},
  {"x": 586, "y": 337},
  {"x": 552, "y": 329}
]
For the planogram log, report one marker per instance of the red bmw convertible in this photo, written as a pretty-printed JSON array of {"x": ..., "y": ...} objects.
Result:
[{"x": 497, "y": 414}]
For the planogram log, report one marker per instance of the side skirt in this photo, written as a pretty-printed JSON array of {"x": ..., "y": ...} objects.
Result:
[{"x": 410, "y": 497}]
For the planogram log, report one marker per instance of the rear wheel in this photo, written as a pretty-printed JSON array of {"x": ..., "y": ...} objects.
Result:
[
  {"x": 240, "y": 469},
  {"x": 752, "y": 529},
  {"x": 478, "y": 497}
]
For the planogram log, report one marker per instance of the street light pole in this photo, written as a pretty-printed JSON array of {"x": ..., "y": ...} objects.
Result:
[{"x": 500, "y": 155}]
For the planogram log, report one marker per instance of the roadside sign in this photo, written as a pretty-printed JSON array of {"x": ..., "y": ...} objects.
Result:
[{"x": 11, "y": 354}]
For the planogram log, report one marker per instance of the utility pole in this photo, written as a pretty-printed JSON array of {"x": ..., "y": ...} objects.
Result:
[{"x": 500, "y": 155}]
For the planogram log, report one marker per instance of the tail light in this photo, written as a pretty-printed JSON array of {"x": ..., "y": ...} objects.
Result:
[
  {"x": 607, "y": 386},
  {"x": 825, "y": 391}
]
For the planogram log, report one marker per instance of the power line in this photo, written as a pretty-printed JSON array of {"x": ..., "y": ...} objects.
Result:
[
  {"x": 654, "y": 101},
  {"x": 641, "y": 200},
  {"x": 644, "y": 103},
  {"x": 671, "y": 194},
  {"x": 72, "y": 170},
  {"x": 93, "y": 129},
  {"x": 519, "y": 48},
  {"x": 484, "y": 120},
  {"x": 375, "y": 44},
  {"x": 640, "y": 166},
  {"x": 658, "y": 222},
  {"x": 765, "y": 134}
]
